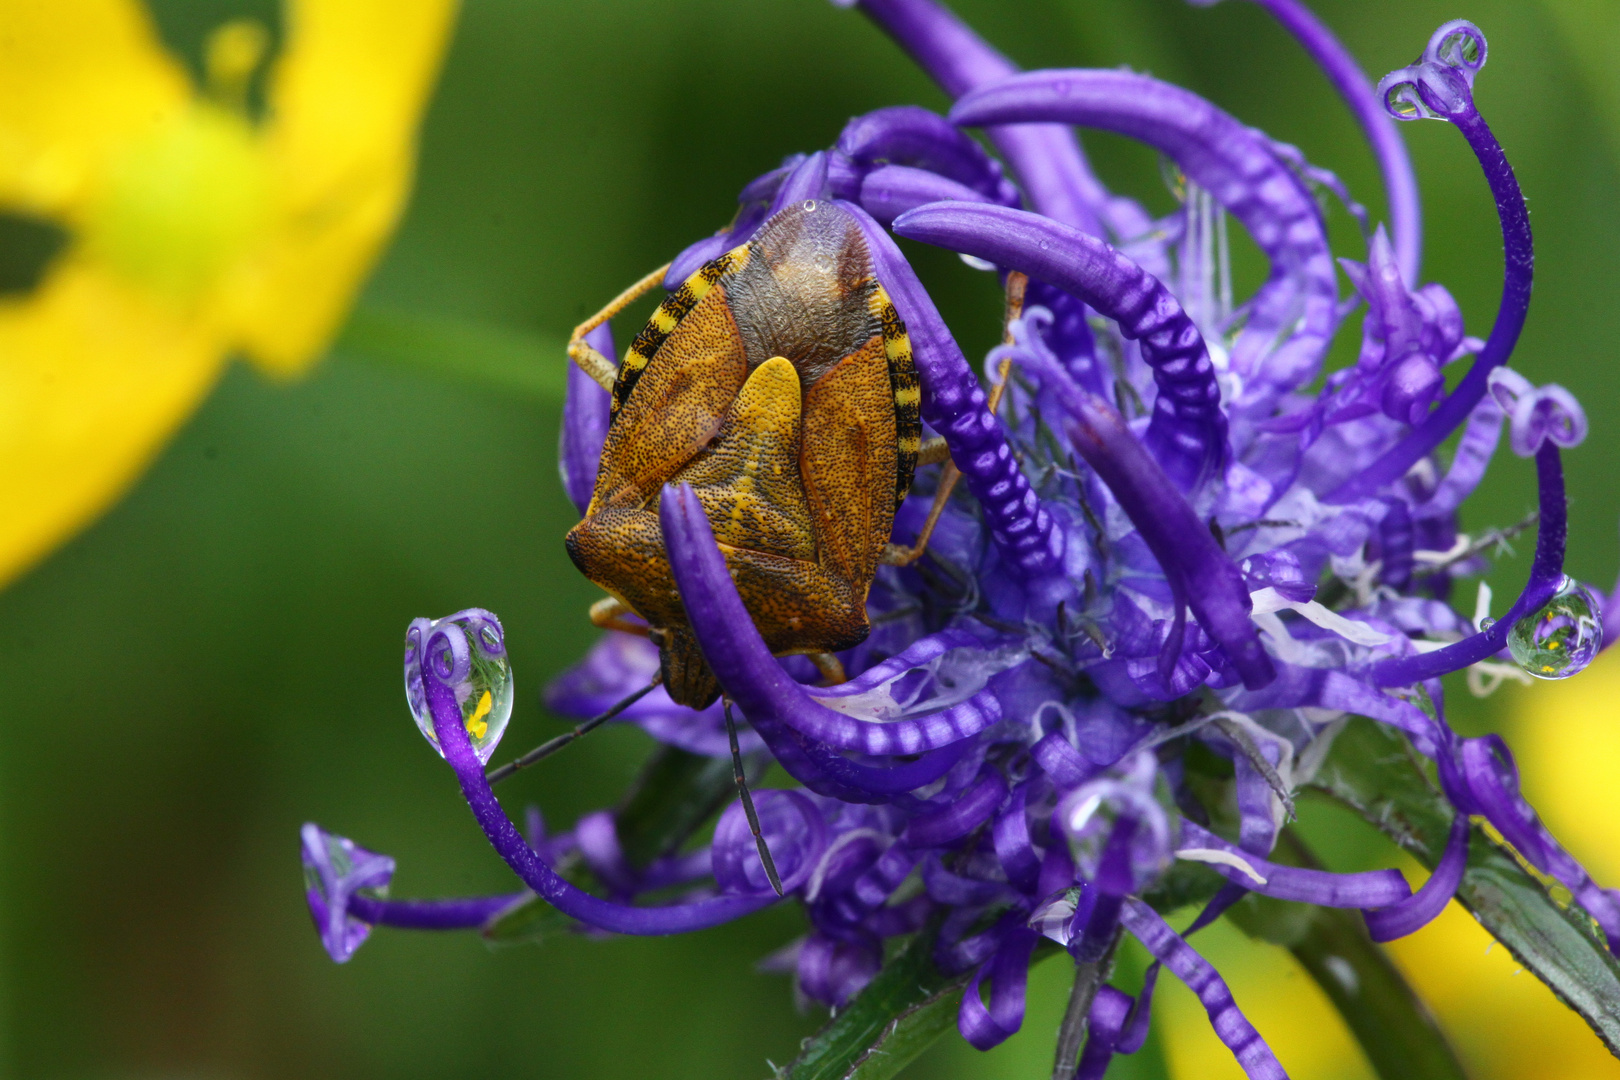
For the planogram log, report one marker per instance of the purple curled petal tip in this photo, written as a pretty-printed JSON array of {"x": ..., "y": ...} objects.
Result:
[
  {"x": 1422, "y": 907},
  {"x": 336, "y": 871},
  {"x": 755, "y": 680},
  {"x": 1367, "y": 889}
]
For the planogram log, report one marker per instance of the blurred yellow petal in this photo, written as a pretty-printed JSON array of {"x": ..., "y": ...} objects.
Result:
[
  {"x": 1567, "y": 738},
  {"x": 78, "y": 79},
  {"x": 345, "y": 100},
  {"x": 96, "y": 375}
]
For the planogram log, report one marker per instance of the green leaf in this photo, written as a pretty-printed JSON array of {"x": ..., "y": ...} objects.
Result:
[
  {"x": 675, "y": 794},
  {"x": 511, "y": 361},
  {"x": 1395, "y": 1029},
  {"x": 1375, "y": 772}
]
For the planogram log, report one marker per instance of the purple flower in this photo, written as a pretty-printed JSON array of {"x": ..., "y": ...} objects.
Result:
[{"x": 1173, "y": 547}]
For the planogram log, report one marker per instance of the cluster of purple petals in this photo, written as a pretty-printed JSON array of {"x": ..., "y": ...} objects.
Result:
[{"x": 1170, "y": 541}]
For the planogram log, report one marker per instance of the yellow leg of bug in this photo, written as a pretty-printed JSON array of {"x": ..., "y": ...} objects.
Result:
[
  {"x": 831, "y": 668},
  {"x": 934, "y": 449},
  {"x": 589, "y": 360},
  {"x": 609, "y": 614}
]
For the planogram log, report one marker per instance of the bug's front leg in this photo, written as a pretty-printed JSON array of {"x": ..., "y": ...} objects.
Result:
[
  {"x": 589, "y": 360},
  {"x": 611, "y": 613}
]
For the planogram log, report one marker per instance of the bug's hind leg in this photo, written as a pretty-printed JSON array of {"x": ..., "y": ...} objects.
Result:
[
  {"x": 589, "y": 360},
  {"x": 831, "y": 668},
  {"x": 934, "y": 450}
]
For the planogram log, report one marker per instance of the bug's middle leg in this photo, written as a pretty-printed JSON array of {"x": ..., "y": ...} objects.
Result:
[
  {"x": 934, "y": 450},
  {"x": 589, "y": 360},
  {"x": 610, "y": 613}
]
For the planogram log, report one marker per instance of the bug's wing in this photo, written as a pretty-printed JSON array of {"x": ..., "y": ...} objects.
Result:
[
  {"x": 677, "y": 380},
  {"x": 749, "y": 481},
  {"x": 849, "y": 462}
]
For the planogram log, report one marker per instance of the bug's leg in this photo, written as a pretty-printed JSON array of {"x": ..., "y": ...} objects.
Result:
[
  {"x": 831, "y": 668},
  {"x": 933, "y": 452},
  {"x": 894, "y": 554},
  {"x": 609, "y": 613},
  {"x": 748, "y": 801},
  {"x": 551, "y": 746},
  {"x": 589, "y": 360}
]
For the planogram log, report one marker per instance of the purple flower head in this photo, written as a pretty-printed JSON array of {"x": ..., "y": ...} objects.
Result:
[{"x": 1177, "y": 560}]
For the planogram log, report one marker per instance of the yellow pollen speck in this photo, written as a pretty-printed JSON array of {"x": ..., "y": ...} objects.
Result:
[{"x": 477, "y": 727}]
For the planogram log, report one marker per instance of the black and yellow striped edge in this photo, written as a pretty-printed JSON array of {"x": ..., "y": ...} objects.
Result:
[
  {"x": 907, "y": 391},
  {"x": 675, "y": 307}
]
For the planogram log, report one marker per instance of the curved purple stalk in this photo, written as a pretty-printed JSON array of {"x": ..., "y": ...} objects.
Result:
[
  {"x": 1187, "y": 433},
  {"x": 777, "y": 707},
  {"x": 1448, "y": 95},
  {"x": 1230, "y": 1025},
  {"x": 585, "y": 418},
  {"x": 1418, "y": 910},
  {"x": 1239, "y": 167},
  {"x": 1367, "y": 889},
  {"x": 890, "y": 190},
  {"x": 533, "y": 871},
  {"x": 459, "y": 914},
  {"x": 954, "y": 404},
  {"x": 1546, "y": 577},
  {"x": 1008, "y": 971},
  {"x": 1352, "y": 84},
  {"x": 1047, "y": 158}
]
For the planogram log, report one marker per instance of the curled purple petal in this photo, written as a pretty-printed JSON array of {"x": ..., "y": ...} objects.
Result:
[
  {"x": 1046, "y": 157},
  {"x": 1537, "y": 414},
  {"x": 777, "y": 706},
  {"x": 1441, "y": 86},
  {"x": 533, "y": 870},
  {"x": 1418, "y": 910},
  {"x": 1241, "y": 169},
  {"x": 1231, "y": 1026},
  {"x": 794, "y": 830},
  {"x": 912, "y": 136},
  {"x": 954, "y": 404},
  {"x": 1008, "y": 971},
  {"x": 584, "y": 424},
  {"x": 950, "y": 823},
  {"x": 1371, "y": 888},
  {"x": 1187, "y": 433},
  {"x": 890, "y": 190}
]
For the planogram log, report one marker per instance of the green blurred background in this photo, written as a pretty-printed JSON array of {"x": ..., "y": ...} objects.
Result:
[{"x": 217, "y": 660}]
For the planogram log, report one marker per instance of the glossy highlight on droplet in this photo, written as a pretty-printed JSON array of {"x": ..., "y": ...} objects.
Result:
[{"x": 1561, "y": 637}]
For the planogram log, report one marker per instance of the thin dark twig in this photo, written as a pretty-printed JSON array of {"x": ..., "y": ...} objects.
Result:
[
  {"x": 1493, "y": 538},
  {"x": 748, "y": 801},
  {"x": 551, "y": 746},
  {"x": 1088, "y": 979}
]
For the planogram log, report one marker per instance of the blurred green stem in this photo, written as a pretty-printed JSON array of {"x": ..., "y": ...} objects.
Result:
[{"x": 512, "y": 361}]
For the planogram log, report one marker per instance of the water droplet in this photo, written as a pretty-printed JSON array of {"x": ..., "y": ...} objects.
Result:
[
  {"x": 467, "y": 650},
  {"x": 1560, "y": 638},
  {"x": 1459, "y": 48},
  {"x": 1486, "y": 623},
  {"x": 809, "y": 206}
]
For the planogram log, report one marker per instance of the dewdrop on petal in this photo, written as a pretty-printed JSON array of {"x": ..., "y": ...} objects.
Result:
[
  {"x": 1562, "y": 636},
  {"x": 469, "y": 649}
]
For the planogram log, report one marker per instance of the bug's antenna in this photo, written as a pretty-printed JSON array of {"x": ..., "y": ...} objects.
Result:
[
  {"x": 551, "y": 746},
  {"x": 748, "y": 801}
]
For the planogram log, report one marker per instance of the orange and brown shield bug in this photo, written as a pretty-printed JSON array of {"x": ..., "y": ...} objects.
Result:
[{"x": 778, "y": 382}]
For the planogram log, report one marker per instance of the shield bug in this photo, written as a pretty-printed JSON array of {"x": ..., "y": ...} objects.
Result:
[{"x": 777, "y": 380}]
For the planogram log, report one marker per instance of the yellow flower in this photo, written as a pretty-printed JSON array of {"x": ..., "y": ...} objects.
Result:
[{"x": 194, "y": 232}]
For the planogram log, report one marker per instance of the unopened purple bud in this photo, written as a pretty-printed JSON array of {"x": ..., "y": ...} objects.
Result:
[{"x": 1413, "y": 384}]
